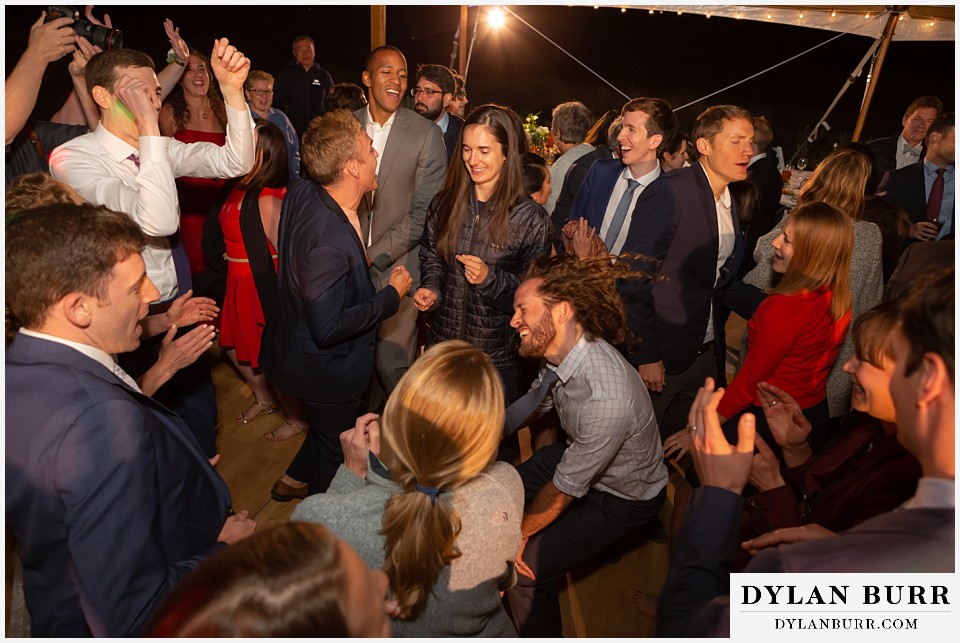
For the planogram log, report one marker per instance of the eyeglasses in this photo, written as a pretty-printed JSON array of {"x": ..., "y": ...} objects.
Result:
[
  {"x": 416, "y": 91},
  {"x": 261, "y": 92}
]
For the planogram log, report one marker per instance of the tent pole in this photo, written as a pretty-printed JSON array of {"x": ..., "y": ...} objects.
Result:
[
  {"x": 462, "y": 58},
  {"x": 872, "y": 86},
  {"x": 378, "y": 26}
]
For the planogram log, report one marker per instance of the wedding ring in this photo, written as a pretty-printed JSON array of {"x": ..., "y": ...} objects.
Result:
[{"x": 774, "y": 403}]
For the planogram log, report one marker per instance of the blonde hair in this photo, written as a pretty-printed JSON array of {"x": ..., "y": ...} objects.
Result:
[
  {"x": 822, "y": 248},
  {"x": 840, "y": 180},
  {"x": 442, "y": 424}
]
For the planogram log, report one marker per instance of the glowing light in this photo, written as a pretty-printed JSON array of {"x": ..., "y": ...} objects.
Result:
[
  {"x": 623, "y": 9},
  {"x": 769, "y": 16},
  {"x": 738, "y": 15},
  {"x": 901, "y": 17},
  {"x": 708, "y": 16},
  {"x": 867, "y": 17},
  {"x": 679, "y": 13},
  {"x": 833, "y": 13},
  {"x": 932, "y": 22},
  {"x": 496, "y": 18},
  {"x": 801, "y": 15},
  {"x": 596, "y": 6},
  {"x": 650, "y": 12}
]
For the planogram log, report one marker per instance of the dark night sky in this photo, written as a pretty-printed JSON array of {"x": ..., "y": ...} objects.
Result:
[{"x": 678, "y": 58}]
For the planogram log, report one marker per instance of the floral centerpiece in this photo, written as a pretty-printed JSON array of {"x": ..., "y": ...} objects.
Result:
[{"x": 537, "y": 135}]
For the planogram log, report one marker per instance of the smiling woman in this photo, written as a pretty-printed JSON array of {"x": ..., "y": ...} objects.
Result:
[{"x": 482, "y": 232}]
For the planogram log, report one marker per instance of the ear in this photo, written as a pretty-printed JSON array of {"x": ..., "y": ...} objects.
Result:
[
  {"x": 655, "y": 141},
  {"x": 703, "y": 146},
  {"x": 562, "y": 312},
  {"x": 78, "y": 308},
  {"x": 366, "y": 79},
  {"x": 352, "y": 168},
  {"x": 102, "y": 97},
  {"x": 934, "y": 138},
  {"x": 934, "y": 379},
  {"x": 446, "y": 99}
]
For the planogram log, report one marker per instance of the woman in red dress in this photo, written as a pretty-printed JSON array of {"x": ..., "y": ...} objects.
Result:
[
  {"x": 193, "y": 113},
  {"x": 250, "y": 219}
]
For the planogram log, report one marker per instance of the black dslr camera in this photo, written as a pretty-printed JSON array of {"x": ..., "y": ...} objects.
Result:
[{"x": 99, "y": 36}]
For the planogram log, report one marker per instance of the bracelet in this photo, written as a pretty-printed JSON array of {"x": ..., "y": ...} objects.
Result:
[{"x": 173, "y": 60}]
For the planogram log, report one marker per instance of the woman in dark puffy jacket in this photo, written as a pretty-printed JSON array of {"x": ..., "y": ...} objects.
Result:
[{"x": 482, "y": 232}]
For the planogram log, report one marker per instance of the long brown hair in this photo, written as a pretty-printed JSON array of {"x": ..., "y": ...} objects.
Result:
[
  {"x": 181, "y": 111},
  {"x": 442, "y": 425},
  {"x": 450, "y": 206},
  {"x": 841, "y": 181},
  {"x": 822, "y": 248},
  {"x": 274, "y": 169}
]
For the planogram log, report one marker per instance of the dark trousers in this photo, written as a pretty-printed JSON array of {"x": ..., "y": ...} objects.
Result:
[
  {"x": 672, "y": 405},
  {"x": 588, "y": 526},
  {"x": 189, "y": 393},
  {"x": 321, "y": 454}
]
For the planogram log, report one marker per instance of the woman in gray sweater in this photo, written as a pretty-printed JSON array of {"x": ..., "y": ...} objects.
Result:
[
  {"x": 841, "y": 181},
  {"x": 441, "y": 517}
]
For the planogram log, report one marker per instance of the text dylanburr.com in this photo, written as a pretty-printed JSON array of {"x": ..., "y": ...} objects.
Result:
[{"x": 852, "y": 606}]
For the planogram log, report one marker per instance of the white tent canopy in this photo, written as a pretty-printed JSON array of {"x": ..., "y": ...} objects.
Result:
[{"x": 918, "y": 22}]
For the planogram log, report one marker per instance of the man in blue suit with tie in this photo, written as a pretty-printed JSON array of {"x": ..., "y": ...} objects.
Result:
[
  {"x": 609, "y": 193},
  {"x": 109, "y": 494}
]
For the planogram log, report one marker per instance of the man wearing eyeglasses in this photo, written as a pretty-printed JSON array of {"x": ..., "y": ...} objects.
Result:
[
  {"x": 432, "y": 95},
  {"x": 906, "y": 148},
  {"x": 259, "y": 92},
  {"x": 302, "y": 86}
]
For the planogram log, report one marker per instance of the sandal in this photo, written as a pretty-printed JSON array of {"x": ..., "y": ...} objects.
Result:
[
  {"x": 267, "y": 408},
  {"x": 273, "y": 437}
]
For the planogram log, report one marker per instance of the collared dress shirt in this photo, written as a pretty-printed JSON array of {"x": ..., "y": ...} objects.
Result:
[
  {"x": 98, "y": 166},
  {"x": 612, "y": 435},
  {"x": 618, "y": 191},
  {"x": 949, "y": 193}
]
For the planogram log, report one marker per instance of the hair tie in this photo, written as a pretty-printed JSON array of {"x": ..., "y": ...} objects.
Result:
[{"x": 433, "y": 492}]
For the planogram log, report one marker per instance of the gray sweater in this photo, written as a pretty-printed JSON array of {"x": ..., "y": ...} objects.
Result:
[
  {"x": 466, "y": 597},
  {"x": 866, "y": 289}
]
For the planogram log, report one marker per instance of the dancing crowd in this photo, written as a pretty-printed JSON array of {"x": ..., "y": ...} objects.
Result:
[{"x": 409, "y": 287}]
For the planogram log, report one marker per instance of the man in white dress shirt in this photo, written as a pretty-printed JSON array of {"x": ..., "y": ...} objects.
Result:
[{"x": 127, "y": 166}]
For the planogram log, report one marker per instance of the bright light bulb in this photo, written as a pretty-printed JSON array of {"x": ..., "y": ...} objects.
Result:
[
  {"x": 801, "y": 15},
  {"x": 833, "y": 14},
  {"x": 679, "y": 13},
  {"x": 650, "y": 12},
  {"x": 623, "y": 9},
  {"x": 496, "y": 18}
]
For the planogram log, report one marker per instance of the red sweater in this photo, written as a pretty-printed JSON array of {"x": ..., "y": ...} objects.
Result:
[{"x": 793, "y": 342}]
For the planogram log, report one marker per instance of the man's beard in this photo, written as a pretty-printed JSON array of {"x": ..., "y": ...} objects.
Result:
[
  {"x": 540, "y": 337},
  {"x": 427, "y": 113}
]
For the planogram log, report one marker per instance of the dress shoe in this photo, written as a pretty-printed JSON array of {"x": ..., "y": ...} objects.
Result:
[{"x": 282, "y": 492}]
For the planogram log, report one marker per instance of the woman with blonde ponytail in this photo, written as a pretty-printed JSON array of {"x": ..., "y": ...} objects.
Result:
[{"x": 440, "y": 517}]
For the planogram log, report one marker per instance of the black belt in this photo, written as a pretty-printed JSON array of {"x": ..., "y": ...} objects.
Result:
[{"x": 704, "y": 348}]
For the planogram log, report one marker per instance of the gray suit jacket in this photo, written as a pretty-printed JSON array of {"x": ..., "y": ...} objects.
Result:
[{"x": 412, "y": 168}]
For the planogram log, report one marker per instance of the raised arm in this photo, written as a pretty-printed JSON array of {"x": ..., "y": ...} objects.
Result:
[{"x": 48, "y": 42}]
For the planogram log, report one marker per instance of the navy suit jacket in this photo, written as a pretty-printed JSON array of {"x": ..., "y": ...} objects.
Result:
[
  {"x": 320, "y": 344},
  {"x": 675, "y": 225},
  {"x": 452, "y": 136},
  {"x": 907, "y": 189},
  {"x": 107, "y": 490}
]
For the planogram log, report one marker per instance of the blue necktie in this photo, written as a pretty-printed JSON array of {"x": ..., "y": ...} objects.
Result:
[
  {"x": 620, "y": 214},
  {"x": 181, "y": 263},
  {"x": 523, "y": 408}
]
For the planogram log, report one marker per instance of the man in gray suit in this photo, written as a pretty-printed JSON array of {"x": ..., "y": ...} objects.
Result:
[
  {"x": 410, "y": 170},
  {"x": 918, "y": 536}
]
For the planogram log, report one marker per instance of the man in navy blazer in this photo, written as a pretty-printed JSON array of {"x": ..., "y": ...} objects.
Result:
[
  {"x": 906, "y": 147},
  {"x": 108, "y": 492},
  {"x": 916, "y": 537},
  {"x": 911, "y": 187},
  {"x": 687, "y": 225},
  {"x": 615, "y": 185},
  {"x": 320, "y": 344}
]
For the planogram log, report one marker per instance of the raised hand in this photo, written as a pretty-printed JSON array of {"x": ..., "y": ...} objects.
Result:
[
  {"x": 187, "y": 310},
  {"x": 718, "y": 463},
  {"x": 178, "y": 44},
  {"x": 230, "y": 67},
  {"x": 81, "y": 56},
  {"x": 358, "y": 442},
  {"x": 49, "y": 41}
]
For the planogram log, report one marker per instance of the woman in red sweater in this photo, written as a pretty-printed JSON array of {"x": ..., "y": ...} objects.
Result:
[{"x": 796, "y": 333}]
